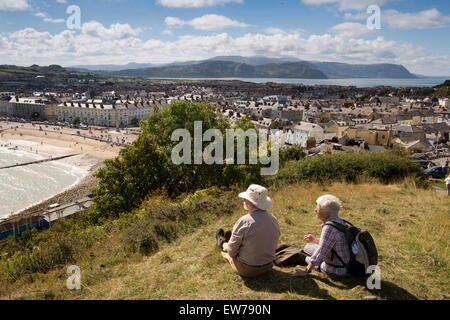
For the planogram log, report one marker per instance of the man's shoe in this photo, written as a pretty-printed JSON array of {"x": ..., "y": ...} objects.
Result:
[
  {"x": 227, "y": 235},
  {"x": 222, "y": 243},
  {"x": 220, "y": 236}
]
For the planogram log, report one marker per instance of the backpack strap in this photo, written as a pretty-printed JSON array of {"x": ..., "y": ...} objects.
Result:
[
  {"x": 344, "y": 265},
  {"x": 338, "y": 226},
  {"x": 349, "y": 223},
  {"x": 344, "y": 229}
]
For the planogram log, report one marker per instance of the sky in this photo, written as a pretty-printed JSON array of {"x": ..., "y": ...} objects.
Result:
[{"x": 78, "y": 32}]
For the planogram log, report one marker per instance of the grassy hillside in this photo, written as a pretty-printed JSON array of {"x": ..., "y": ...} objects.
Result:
[{"x": 410, "y": 227}]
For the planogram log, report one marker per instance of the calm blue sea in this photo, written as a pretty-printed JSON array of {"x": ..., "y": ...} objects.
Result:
[{"x": 359, "y": 83}]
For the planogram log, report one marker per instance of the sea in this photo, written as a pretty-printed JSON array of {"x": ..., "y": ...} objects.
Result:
[
  {"x": 359, "y": 82},
  {"x": 23, "y": 187}
]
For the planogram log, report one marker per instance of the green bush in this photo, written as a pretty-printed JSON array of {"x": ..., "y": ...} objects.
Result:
[
  {"x": 384, "y": 167},
  {"x": 42, "y": 259},
  {"x": 33, "y": 251},
  {"x": 294, "y": 153},
  {"x": 142, "y": 238},
  {"x": 160, "y": 221}
]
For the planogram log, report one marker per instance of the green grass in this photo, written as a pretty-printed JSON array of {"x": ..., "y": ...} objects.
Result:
[
  {"x": 441, "y": 184},
  {"x": 410, "y": 227},
  {"x": 9, "y": 71}
]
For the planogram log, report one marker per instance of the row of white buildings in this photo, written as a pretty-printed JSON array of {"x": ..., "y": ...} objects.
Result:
[{"x": 115, "y": 113}]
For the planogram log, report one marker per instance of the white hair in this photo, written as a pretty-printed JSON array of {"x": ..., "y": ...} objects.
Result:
[{"x": 329, "y": 204}]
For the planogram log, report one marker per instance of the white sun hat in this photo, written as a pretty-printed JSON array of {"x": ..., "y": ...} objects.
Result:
[{"x": 258, "y": 196}]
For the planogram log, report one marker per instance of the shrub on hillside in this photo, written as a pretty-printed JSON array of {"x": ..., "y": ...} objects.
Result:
[
  {"x": 384, "y": 167},
  {"x": 42, "y": 259},
  {"x": 142, "y": 238},
  {"x": 33, "y": 251},
  {"x": 294, "y": 153},
  {"x": 160, "y": 220}
]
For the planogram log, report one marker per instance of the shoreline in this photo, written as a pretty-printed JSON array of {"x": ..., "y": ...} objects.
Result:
[
  {"x": 74, "y": 192},
  {"x": 48, "y": 143}
]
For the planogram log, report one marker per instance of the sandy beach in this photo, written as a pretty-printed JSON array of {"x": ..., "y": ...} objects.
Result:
[{"x": 51, "y": 141}]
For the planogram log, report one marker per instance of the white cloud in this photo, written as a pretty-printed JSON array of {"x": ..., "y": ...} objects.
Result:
[
  {"x": 194, "y": 3},
  {"x": 351, "y": 30},
  {"x": 14, "y": 5},
  {"x": 116, "y": 31},
  {"x": 48, "y": 19},
  {"x": 273, "y": 30},
  {"x": 427, "y": 19},
  {"x": 356, "y": 16},
  {"x": 207, "y": 22},
  {"x": 174, "y": 22},
  {"x": 119, "y": 43},
  {"x": 343, "y": 5}
]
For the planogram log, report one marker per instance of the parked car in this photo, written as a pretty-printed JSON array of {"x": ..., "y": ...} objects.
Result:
[
  {"x": 437, "y": 172},
  {"x": 441, "y": 152},
  {"x": 424, "y": 163},
  {"x": 419, "y": 156},
  {"x": 430, "y": 155}
]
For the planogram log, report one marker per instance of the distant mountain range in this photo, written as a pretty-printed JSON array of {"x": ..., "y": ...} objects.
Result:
[
  {"x": 252, "y": 67},
  {"x": 228, "y": 69}
]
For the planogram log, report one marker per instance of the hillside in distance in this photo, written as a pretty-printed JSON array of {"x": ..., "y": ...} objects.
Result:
[
  {"x": 110, "y": 67},
  {"x": 345, "y": 70},
  {"x": 260, "y": 67},
  {"x": 16, "y": 78},
  {"x": 227, "y": 69},
  {"x": 332, "y": 69}
]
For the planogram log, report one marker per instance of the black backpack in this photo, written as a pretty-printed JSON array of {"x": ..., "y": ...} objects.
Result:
[{"x": 360, "y": 241}]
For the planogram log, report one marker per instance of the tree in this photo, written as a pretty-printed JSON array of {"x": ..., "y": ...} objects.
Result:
[
  {"x": 147, "y": 165},
  {"x": 134, "y": 122},
  {"x": 76, "y": 122},
  {"x": 292, "y": 153},
  {"x": 126, "y": 180}
]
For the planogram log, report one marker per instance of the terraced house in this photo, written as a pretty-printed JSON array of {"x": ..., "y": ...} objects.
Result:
[
  {"x": 300, "y": 134},
  {"x": 113, "y": 114},
  {"x": 32, "y": 108}
]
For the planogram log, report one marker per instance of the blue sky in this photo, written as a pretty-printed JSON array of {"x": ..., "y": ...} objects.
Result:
[{"x": 413, "y": 33}]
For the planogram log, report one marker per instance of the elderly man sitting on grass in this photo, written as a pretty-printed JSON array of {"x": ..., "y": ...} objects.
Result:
[
  {"x": 250, "y": 248},
  {"x": 331, "y": 252}
]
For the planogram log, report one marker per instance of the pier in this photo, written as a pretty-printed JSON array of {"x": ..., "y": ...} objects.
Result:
[{"x": 39, "y": 161}]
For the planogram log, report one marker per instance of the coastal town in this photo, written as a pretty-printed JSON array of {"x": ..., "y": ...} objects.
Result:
[
  {"x": 87, "y": 124},
  {"x": 225, "y": 158},
  {"x": 319, "y": 118}
]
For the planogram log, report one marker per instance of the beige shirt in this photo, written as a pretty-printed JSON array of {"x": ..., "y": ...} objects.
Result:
[{"x": 254, "y": 238}]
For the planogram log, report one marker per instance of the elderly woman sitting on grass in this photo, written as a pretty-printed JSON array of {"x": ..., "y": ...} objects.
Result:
[{"x": 328, "y": 252}]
